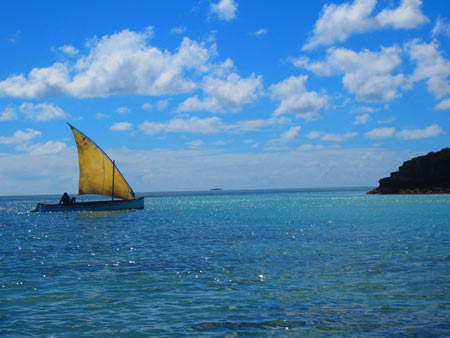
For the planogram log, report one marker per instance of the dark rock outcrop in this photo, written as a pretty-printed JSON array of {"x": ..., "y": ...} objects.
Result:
[{"x": 429, "y": 174}]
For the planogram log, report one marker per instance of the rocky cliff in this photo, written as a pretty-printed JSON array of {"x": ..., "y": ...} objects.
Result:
[{"x": 421, "y": 175}]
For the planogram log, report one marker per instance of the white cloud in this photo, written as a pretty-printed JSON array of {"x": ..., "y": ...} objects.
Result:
[
  {"x": 100, "y": 116},
  {"x": 255, "y": 125},
  {"x": 210, "y": 125},
  {"x": 224, "y": 9},
  {"x": 365, "y": 109},
  {"x": 8, "y": 114},
  {"x": 20, "y": 136},
  {"x": 361, "y": 119},
  {"x": 195, "y": 144},
  {"x": 310, "y": 147},
  {"x": 178, "y": 30},
  {"x": 367, "y": 74},
  {"x": 147, "y": 106},
  {"x": 379, "y": 133},
  {"x": 224, "y": 94},
  {"x": 291, "y": 134},
  {"x": 331, "y": 137},
  {"x": 295, "y": 99},
  {"x": 442, "y": 27},
  {"x": 123, "y": 110},
  {"x": 42, "y": 111},
  {"x": 408, "y": 15},
  {"x": 121, "y": 126},
  {"x": 387, "y": 120},
  {"x": 431, "y": 66},
  {"x": 443, "y": 105},
  {"x": 50, "y": 147},
  {"x": 69, "y": 50},
  {"x": 416, "y": 134},
  {"x": 259, "y": 32},
  {"x": 338, "y": 22},
  {"x": 41, "y": 82},
  {"x": 22, "y": 141},
  {"x": 118, "y": 64},
  {"x": 338, "y": 137},
  {"x": 314, "y": 134},
  {"x": 405, "y": 134}
]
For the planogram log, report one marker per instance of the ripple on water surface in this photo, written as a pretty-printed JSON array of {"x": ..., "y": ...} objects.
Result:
[{"x": 321, "y": 263}]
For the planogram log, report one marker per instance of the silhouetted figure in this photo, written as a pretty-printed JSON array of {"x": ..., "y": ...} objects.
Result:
[{"x": 65, "y": 199}]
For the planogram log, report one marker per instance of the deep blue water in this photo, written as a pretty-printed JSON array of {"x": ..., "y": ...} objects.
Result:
[{"x": 299, "y": 263}]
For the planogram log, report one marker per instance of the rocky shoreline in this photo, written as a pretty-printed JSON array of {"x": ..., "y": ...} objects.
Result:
[
  {"x": 411, "y": 191},
  {"x": 428, "y": 174}
]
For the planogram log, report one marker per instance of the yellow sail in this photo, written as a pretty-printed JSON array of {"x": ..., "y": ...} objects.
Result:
[{"x": 96, "y": 170}]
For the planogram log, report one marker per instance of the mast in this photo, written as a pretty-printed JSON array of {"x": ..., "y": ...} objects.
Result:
[{"x": 114, "y": 165}]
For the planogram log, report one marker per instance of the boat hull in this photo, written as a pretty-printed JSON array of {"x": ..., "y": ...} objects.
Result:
[{"x": 137, "y": 203}]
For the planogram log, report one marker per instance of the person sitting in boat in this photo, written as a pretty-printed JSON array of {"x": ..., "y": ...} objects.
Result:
[{"x": 65, "y": 199}]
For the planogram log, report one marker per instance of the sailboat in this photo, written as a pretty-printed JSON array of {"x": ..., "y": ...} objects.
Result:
[{"x": 98, "y": 175}]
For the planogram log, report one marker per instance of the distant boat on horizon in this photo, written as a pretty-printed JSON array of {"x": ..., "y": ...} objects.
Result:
[
  {"x": 215, "y": 189},
  {"x": 98, "y": 175}
]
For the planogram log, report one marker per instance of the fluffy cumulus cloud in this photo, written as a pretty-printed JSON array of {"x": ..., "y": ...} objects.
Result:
[
  {"x": 331, "y": 137},
  {"x": 230, "y": 93},
  {"x": 147, "y": 106},
  {"x": 379, "y": 133},
  {"x": 338, "y": 22},
  {"x": 210, "y": 125},
  {"x": 178, "y": 30},
  {"x": 69, "y": 50},
  {"x": 361, "y": 119},
  {"x": 431, "y": 66},
  {"x": 224, "y": 9},
  {"x": 255, "y": 125},
  {"x": 123, "y": 110},
  {"x": 443, "y": 105},
  {"x": 259, "y": 32},
  {"x": 407, "y": 15},
  {"x": 9, "y": 113},
  {"x": 42, "y": 111},
  {"x": 405, "y": 134},
  {"x": 100, "y": 116},
  {"x": 20, "y": 136},
  {"x": 295, "y": 99},
  {"x": 22, "y": 140},
  {"x": 195, "y": 144},
  {"x": 368, "y": 75},
  {"x": 50, "y": 147},
  {"x": 310, "y": 147},
  {"x": 417, "y": 134},
  {"x": 289, "y": 135},
  {"x": 118, "y": 64},
  {"x": 121, "y": 126}
]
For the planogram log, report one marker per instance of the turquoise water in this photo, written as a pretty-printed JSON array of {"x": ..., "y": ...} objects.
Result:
[{"x": 299, "y": 263}]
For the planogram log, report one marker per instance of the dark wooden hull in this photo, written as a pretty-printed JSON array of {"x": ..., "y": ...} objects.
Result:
[{"x": 137, "y": 203}]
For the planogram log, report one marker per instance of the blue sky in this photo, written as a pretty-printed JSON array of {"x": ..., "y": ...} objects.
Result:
[{"x": 191, "y": 95}]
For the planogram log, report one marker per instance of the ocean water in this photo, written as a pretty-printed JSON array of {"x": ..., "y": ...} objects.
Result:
[{"x": 323, "y": 263}]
